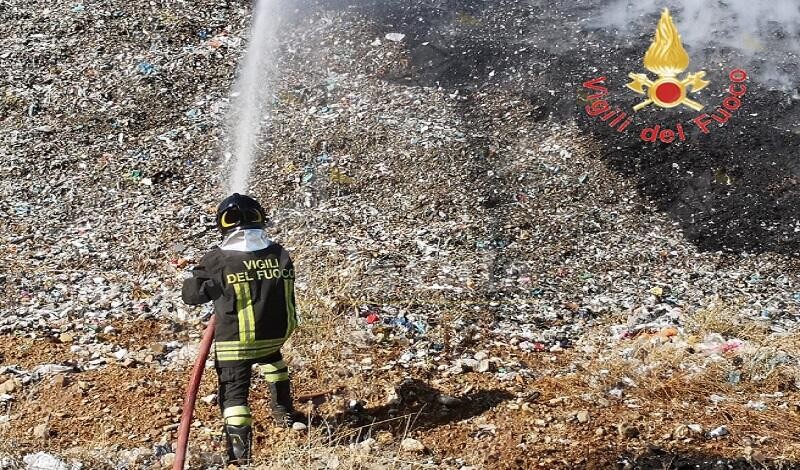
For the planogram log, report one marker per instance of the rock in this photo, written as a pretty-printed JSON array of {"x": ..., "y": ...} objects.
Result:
[
  {"x": 583, "y": 416},
  {"x": 484, "y": 365},
  {"x": 332, "y": 462},
  {"x": 209, "y": 399},
  {"x": 393, "y": 398},
  {"x": 129, "y": 362},
  {"x": 175, "y": 410},
  {"x": 66, "y": 338},
  {"x": 167, "y": 460},
  {"x": 158, "y": 348},
  {"x": 756, "y": 405},
  {"x": 120, "y": 354},
  {"x": 481, "y": 355},
  {"x": 9, "y": 386},
  {"x": 298, "y": 426},
  {"x": 41, "y": 431},
  {"x": 628, "y": 431},
  {"x": 60, "y": 381},
  {"x": 412, "y": 445},
  {"x": 695, "y": 428},
  {"x": 681, "y": 432},
  {"x": 468, "y": 364},
  {"x": 599, "y": 432},
  {"x": 367, "y": 445},
  {"x": 718, "y": 432}
]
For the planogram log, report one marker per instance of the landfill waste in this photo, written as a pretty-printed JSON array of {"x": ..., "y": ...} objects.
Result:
[
  {"x": 45, "y": 461},
  {"x": 452, "y": 219}
]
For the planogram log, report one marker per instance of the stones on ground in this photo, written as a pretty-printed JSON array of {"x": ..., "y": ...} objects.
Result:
[
  {"x": 120, "y": 354},
  {"x": 684, "y": 431},
  {"x": 718, "y": 432},
  {"x": 582, "y": 416},
  {"x": 468, "y": 365},
  {"x": 41, "y": 431},
  {"x": 367, "y": 445},
  {"x": 695, "y": 428},
  {"x": 167, "y": 460},
  {"x": 60, "y": 381},
  {"x": 66, "y": 338},
  {"x": 129, "y": 362},
  {"x": 209, "y": 399},
  {"x": 628, "y": 431},
  {"x": 299, "y": 426},
  {"x": 9, "y": 386},
  {"x": 158, "y": 348},
  {"x": 412, "y": 445},
  {"x": 393, "y": 398},
  {"x": 681, "y": 432}
]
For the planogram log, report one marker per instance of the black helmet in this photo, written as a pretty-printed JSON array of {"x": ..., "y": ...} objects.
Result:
[{"x": 238, "y": 211}]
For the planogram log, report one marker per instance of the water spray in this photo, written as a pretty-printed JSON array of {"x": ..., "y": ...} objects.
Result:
[{"x": 251, "y": 91}]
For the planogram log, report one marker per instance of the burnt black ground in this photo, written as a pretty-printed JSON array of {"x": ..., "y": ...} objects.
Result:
[{"x": 543, "y": 51}]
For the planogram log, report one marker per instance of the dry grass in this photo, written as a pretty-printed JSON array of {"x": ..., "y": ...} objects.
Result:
[
  {"x": 725, "y": 318},
  {"x": 677, "y": 376}
]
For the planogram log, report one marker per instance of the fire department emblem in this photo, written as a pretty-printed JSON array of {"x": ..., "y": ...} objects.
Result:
[{"x": 667, "y": 58}]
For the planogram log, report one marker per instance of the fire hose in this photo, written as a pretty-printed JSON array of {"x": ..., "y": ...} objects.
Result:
[{"x": 191, "y": 395}]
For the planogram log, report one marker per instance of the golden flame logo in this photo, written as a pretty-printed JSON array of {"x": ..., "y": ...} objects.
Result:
[{"x": 667, "y": 58}]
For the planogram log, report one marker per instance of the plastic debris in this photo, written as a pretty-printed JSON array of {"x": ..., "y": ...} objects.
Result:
[
  {"x": 45, "y": 461},
  {"x": 395, "y": 37}
]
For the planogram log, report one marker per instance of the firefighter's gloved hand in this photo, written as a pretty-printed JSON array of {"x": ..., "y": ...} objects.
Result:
[{"x": 212, "y": 290}]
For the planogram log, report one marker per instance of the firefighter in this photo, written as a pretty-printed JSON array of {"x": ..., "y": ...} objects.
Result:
[{"x": 250, "y": 279}]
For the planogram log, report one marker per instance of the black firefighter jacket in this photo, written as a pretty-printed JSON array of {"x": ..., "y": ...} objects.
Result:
[{"x": 253, "y": 294}]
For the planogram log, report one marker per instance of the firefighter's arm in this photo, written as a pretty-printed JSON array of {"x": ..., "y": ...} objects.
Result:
[{"x": 200, "y": 285}]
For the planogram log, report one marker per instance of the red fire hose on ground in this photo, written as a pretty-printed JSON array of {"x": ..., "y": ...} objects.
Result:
[{"x": 191, "y": 395}]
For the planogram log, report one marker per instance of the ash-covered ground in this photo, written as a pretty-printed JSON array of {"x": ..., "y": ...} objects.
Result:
[{"x": 473, "y": 251}]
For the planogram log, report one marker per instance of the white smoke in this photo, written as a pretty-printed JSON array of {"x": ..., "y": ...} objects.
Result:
[
  {"x": 764, "y": 33},
  {"x": 251, "y": 90}
]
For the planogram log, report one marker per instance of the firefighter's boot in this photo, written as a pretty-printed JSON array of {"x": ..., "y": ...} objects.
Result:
[
  {"x": 239, "y": 444},
  {"x": 282, "y": 409},
  {"x": 238, "y": 434}
]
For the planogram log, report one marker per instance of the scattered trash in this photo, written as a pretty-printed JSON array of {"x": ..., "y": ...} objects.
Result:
[
  {"x": 756, "y": 405},
  {"x": 145, "y": 68},
  {"x": 427, "y": 211},
  {"x": 395, "y": 37},
  {"x": 45, "y": 461}
]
